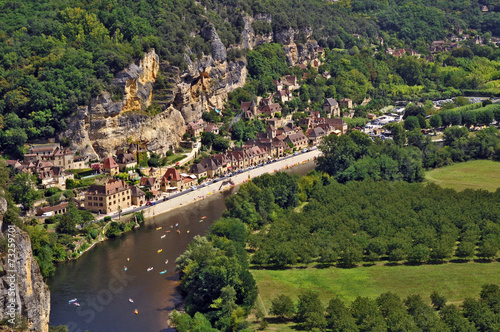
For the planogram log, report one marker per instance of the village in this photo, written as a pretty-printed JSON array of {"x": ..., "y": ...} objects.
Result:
[{"x": 119, "y": 182}]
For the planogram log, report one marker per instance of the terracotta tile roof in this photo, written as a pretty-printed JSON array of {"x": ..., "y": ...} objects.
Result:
[{"x": 109, "y": 163}]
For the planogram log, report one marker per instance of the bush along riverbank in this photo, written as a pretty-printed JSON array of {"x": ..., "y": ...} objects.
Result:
[{"x": 68, "y": 236}]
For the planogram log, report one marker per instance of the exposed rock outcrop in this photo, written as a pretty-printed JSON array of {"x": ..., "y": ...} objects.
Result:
[
  {"x": 24, "y": 297},
  {"x": 112, "y": 120},
  {"x": 248, "y": 37}
]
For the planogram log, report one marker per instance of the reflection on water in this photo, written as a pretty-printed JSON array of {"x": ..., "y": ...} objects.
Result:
[{"x": 103, "y": 288}]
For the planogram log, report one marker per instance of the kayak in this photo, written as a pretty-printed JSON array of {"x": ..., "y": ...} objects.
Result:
[
  {"x": 149, "y": 269},
  {"x": 136, "y": 311},
  {"x": 187, "y": 231},
  {"x": 204, "y": 217},
  {"x": 177, "y": 225},
  {"x": 167, "y": 232},
  {"x": 76, "y": 304},
  {"x": 72, "y": 300},
  {"x": 161, "y": 237},
  {"x": 166, "y": 262},
  {"x": 125, "y": 268},
  {"x": 158, "y": 228},
  {"x": 163, "y": 272},
  {"x": 178, "y": 231},
  {"x": 128, "y": 259},
  {"x": 159, "y": 250},
  {"x": 131, "y": 301},
  {"x": 201, "y": 220}
]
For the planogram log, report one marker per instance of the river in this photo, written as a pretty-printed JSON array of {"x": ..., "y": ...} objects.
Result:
[{"x": 103, "y": 288}]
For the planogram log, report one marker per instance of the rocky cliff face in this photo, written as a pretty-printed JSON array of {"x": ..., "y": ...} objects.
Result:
[
  {"x": 107, "y": 126},
  {"x": 28, "y": 301},
  {"x": 112, "y": 121},
  {"x": 248, "y": 37}
]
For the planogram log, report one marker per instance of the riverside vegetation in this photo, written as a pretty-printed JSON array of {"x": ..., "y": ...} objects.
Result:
[{"x": 285, "y": 221}]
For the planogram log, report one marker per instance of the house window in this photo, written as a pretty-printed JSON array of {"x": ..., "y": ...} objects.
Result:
[
  {"x": 100, "y": 198},
  {"x": 100, "y": 204},
  {"x": 95, "y": 198},
  {"x": 123, "y": 199}
]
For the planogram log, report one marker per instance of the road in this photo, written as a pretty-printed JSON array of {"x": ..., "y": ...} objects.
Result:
[{"x": 214, "y": 186}]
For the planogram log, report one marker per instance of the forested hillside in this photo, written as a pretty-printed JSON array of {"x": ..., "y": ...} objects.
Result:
[{"x": 55, "y": 55}]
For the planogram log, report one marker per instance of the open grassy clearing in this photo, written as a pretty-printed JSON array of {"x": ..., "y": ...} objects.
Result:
[
  {"x": 476, "y": 174},
  {"x": 456, "y": 281}
]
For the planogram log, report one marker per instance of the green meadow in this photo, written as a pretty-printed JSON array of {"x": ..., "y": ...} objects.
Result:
[
  {"x": 476, "y": 174},
  {"x": 456, "y": 281}
]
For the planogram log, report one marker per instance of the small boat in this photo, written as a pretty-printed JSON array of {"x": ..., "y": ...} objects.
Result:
[
  {"x": 159, "y": 250},
  {"x": 158, "y": 228},
  {"x": 136, "y": 311},
  {"x": 166, "y": 262},
  {"x": 177, "y": 225},
  {"x": 76, "y": 304},
  {"x": 131, "y": 301},
  {"x": 149, "y": 269},
  {"x": 125, "y": 268},
  {"x": 187, "y": 231},
  {"x": 161, "y": 237},
  {"x": 204, "y": 217},
  {"x": 72, "y": 300},
  {"x": 163, "y": 272}
]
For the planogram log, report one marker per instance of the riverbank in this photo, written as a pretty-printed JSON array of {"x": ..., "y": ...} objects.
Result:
[
  {"x": 204, "y": 192},
  {"x": 207, "y": 194}
]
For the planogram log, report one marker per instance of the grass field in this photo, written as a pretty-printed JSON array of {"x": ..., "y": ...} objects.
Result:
[
  {"x": 476, "y": 174},
  {"x": 456, "y": 281}
]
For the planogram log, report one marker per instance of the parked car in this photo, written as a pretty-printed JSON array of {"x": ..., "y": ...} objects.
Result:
[{"x": 193, "y": 188}]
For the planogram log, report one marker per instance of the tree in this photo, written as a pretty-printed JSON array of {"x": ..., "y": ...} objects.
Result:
[
  {"x": 23, "y": 190},
  {"x": 351, "y": 255},
  {"x": 411, "y": 123},
  {"x": 455, "y": 134},
  {"x": 282, "y": 306},
  {"x": 310, "y": 311},
  {"x": 465, "y": 249},
  {"x": 435, "y": 121},
  {"x": 418, "y": 254},
  {"x": 66, "y": 225},
  {"x": 339, "y": 318},
  {"x": 398, "y": 133},
  {"x": 438, "y": 301},
  {"x": 220, "y": 144}
]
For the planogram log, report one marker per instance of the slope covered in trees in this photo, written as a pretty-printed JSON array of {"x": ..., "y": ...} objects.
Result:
[{"x": 55, "y": 55}]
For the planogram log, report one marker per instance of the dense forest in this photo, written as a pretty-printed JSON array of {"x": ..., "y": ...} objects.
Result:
[{"x": 55, "y": 55}]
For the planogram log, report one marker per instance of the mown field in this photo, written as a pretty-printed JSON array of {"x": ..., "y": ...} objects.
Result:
[
  {"x": 456, "y": 281},
  {"x": 476, "y": 174}
]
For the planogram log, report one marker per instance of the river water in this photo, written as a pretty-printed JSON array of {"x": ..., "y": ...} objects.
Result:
[{"x": 103, "y": 288}]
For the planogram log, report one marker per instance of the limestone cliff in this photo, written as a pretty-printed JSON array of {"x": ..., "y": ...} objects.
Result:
[
  {"x": 107, "y": 125},
  {"x": 28, "y": 302},
  {"x": 113, "y": 120}
]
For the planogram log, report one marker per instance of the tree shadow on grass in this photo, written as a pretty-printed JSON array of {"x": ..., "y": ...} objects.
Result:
[
  {"x": 483, "y": 260},
  {"x": 392, "y": 264},
  {"x": 459, "y": 261},
  {"x": 323, "y": 265}
]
